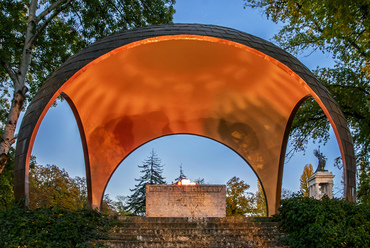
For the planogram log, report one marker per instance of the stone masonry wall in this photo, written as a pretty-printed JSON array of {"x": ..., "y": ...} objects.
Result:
[{"x": 186, "y": 201}]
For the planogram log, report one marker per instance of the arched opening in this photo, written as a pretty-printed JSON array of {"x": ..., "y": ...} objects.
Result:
[
  {"x": 315, "y": 133},
  {"x": 200, "y": 157}
]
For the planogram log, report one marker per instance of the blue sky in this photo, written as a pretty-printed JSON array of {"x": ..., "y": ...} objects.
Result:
[{"x": 58, "y": 141}]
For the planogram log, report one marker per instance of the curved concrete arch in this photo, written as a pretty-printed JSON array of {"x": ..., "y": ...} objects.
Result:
[{"x": 183, "y": 78}]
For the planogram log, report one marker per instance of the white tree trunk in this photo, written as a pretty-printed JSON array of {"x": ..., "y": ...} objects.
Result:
[
  {"x": 19, "y": 77},
  {"x": 8, "y": 136}
]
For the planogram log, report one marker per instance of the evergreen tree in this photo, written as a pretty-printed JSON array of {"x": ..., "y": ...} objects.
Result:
[
  {"x": 200, "y": 181},
  {"x": 182, "y": 175},
  {"x": 152, "y": 170}
]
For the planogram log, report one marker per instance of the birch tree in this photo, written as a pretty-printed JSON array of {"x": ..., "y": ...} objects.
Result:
[{"x": 37, "y": 36}]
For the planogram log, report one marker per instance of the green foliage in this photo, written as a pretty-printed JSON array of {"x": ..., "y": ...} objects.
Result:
[
  {"x": 120, "y": 206},
  {"x": 152, "y": 170},
  {"x": 261, "y": 208},
  {"x": 363, "y": 192},
  {"x": 7, "y": 183},
  {"x": 108, "y": 206},
  {"x": 51, "y": 227},
  {"x": 324, "y": 223},
  {"x": 51, "y": 186},
  {"x": 239, "y": 202},
  {"x": 339, "y": 27}
]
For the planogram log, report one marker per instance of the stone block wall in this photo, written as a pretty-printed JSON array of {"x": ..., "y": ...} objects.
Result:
[{"x": 186, "y": 201}]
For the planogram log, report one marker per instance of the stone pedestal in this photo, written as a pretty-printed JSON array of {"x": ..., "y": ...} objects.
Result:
[
  {"x": 320, "y": 184},
  {"x": 186, "y": 201}
]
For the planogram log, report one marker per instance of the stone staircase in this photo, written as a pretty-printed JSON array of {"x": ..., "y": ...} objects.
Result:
[{"x": 193, "y": 232}]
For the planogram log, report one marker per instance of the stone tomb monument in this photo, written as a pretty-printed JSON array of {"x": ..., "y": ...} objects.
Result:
[
  {"x": 186, "y": 200},
  {"x": 321, "y": 182}
]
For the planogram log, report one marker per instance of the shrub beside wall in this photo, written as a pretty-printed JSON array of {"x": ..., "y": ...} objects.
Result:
[
  {"x": 51, "y": 227},
  {"x": 324, "y": 223}
]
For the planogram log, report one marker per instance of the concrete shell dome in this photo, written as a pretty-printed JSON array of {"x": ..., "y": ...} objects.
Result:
[{"x": 216, "y": 82}]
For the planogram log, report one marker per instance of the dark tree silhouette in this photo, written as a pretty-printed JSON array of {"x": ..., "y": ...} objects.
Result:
[{"x": 152, "y": 174}]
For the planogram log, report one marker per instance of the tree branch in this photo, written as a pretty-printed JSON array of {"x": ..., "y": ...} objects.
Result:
[
  {"x": 353, "y": 44},
  {"x": 27, "y": 48},
  {"x": 49, "y": 9},
  {"x": 352, "y": 113},
  {"x": 309, "y": 119},
  {"x": 47, "y": 21},
  {"x": 8, "y": 69},
  {"x": 348, "y": 86}
]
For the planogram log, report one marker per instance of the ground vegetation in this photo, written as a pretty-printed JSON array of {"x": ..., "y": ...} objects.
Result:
[
  {"x": 52, "y": 227},
  {"x": 308, "y": 222}
]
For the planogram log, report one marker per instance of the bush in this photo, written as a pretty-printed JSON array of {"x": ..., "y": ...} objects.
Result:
[
  {"x": 324, "y": 223},
  {"x": 51, "y": 227}
]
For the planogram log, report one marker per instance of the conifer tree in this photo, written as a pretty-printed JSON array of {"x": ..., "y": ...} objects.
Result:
[
  {"x": 182, "y": 175},
  {"x": 152, "y": 174}
]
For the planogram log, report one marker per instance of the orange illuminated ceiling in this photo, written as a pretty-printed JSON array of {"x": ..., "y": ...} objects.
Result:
[{"x": 184, "y": 84}]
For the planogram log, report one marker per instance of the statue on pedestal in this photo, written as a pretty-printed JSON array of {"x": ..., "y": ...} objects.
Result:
[{"x": 322, "y": 160}]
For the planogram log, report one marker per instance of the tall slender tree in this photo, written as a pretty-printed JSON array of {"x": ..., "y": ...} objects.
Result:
[
  {"x": 37, "y": 36},
  {"x": 152, "y": 174},
  {"x": 261, "y": 209},
  {"x": 182, "y": 175},
  {"x": 306, "y": 174}
]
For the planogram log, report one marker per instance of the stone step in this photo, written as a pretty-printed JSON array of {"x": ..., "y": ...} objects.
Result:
[
  {"x": 137, "y": 219},
  {"x": 189, "y": 231},
  {"x": 193, "y": 232},
  {"x": 196, "y": 225},
  {"x": 183, "y": 237},
  {"x": 193, "y": 244}
]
